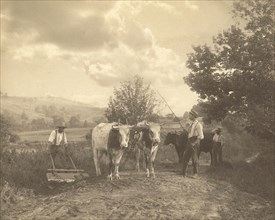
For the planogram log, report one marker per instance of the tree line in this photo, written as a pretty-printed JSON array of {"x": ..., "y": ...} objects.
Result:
[{"x": 24, "y": 123}]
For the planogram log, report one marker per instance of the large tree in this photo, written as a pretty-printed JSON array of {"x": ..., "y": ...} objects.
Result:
[
  {"x": 132, "y": 102},
  {"x": 237, "y": 75}
]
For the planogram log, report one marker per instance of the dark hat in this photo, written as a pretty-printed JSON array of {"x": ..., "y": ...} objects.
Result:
[
  {"x": 61, "y": 125},
  {"x": 218, "y": 129},
  {"x": 194, "y": 113}
]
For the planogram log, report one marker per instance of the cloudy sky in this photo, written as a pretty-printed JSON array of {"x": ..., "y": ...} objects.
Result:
[{"x": 81, "y": 50}]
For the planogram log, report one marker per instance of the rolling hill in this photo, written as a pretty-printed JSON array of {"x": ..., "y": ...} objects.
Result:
[{"x": 46, "y": 107}]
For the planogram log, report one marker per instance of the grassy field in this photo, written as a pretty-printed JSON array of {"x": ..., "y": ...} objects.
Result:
[{"x": 73, "y": 134}]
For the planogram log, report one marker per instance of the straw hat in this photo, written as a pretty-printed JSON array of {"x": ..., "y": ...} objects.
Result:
[
  {"x": 61, "y": 125},
  {"x": 194, "y": 113}
]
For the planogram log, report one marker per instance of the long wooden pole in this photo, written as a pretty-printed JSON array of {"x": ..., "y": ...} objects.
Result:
[{"x": 170, "y": 109}]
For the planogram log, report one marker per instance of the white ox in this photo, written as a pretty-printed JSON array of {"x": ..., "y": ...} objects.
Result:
[{"x": 111, "y": 139}]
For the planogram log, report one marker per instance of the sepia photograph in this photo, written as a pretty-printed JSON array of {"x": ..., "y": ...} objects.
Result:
[{"x": 137, "y": 110}]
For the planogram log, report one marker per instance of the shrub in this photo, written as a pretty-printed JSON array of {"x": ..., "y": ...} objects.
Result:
[{"x": 14, "y": 138}]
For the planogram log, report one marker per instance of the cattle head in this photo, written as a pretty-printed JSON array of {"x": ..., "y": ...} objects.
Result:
[
  {"x": 123, "y": 134},
  {"x": 170, "y": 138},
  {"x": 151, "y": 131}
]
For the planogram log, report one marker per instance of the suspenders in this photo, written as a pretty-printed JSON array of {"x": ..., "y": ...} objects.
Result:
[{"x": 55, "y": 140}]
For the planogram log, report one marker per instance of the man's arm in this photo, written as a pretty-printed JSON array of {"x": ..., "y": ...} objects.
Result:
[
  {"x": 221, "y": 140},
  {"x": 65, "y": 139},
  {"x": 52, "y": 137},
  {"x": 200, "y": 131}
]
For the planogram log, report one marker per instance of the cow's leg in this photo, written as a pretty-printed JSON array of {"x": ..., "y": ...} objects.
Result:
[
  {"x": 178, "y": 153},
  {"x": 137, "y": 159},
  {"x": 97, "y": 168},
  {"x": 153, "y": 157},
  {"x": 147, "y": 160},
  {"x": 199, "y": 153},
  {"x": 181, "y": 156},
  {"x": 99, "y": 156},
  {"x": 111, "y": 166},
  {"x": 117, "y": 162}
]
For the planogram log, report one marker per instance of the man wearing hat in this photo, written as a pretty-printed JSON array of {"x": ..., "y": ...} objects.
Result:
[
  {"x": 58, "y": 141},
  {"x": 217, "y": 146},
  {"x": 195, "y": 135}
]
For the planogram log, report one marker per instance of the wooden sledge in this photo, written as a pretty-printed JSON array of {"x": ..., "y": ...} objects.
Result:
[{"x": 65, "y": 175}]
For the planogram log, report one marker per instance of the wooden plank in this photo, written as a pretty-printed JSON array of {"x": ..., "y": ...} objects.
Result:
[{"x": 65, "y": 170}]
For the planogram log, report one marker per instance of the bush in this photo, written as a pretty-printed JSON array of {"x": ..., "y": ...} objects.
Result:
[{"x": 14, "y": 138}]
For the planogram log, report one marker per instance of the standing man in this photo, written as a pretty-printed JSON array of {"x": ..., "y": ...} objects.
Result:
[
  {"x": 58, "y": 142},
  {"x": 217, "y": 146},
  {"x": 195, "y": 135}
]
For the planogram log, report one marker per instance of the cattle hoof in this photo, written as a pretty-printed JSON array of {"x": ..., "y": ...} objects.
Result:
[
  {"x": 110, "y": 177},
  {"x": 117, "y": 177}
]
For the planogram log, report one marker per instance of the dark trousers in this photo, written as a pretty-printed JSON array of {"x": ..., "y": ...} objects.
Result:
[
  {"x": 217, "y": 153},
  {"x": 191, "y": 152},
  {"x": 63, "y": 156}
]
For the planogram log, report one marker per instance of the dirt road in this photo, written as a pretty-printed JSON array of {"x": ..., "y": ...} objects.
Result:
[{"x": 168, "y": 196}]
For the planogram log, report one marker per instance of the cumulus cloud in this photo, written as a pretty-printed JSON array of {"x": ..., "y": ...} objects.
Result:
[
  {"x": 105, "y": 41},
  {"x": 70, "y": 26},
  {"x": 191, "y": 5}
]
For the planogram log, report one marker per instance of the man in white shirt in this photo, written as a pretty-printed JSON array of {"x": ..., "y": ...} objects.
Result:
[
  {"x": 58, "y": 142},
  {"x": 217, "y": 147},
  {"x": 195, "y": 135}
]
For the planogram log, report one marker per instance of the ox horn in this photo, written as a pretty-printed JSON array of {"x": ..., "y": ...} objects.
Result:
[
  {"x": 147, "y": 123},
  {"x": 115, "y": 127}
]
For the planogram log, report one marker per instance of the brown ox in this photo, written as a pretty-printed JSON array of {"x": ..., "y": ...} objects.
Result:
[{"x": 147, "y": 136}]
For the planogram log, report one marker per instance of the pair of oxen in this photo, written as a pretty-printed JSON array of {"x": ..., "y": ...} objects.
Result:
[{"x": 112, "y": 139}]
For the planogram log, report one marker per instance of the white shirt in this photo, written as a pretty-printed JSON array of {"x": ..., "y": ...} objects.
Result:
[
  {"x": 196, "y": 130},
  {"x": 58, "y": 136},
  {"x": 218, "y": 138}
]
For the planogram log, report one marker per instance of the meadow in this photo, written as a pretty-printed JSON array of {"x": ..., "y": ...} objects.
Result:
[{"x": 74, "y": 134}]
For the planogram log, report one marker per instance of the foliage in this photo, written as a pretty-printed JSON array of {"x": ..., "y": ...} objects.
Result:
[
  {"x": 24, "y": 116},
  {"x": 4, "y": 133},
  {"x": 57, "y": 120},
  {"x": 39, "y": 123},
  {"x": 14, "y": 138},
  {"x": 75, "y": 122},
  {"x": 133, "y": 101},
  {"x": 237, "y": 76}
]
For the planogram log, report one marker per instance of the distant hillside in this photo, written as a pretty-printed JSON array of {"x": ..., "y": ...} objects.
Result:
[{"x": 28, "y": 109}]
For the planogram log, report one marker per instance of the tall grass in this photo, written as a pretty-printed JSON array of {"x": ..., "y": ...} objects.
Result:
[
  {"x": 255, "y": 176},
  {"x": 28, "y": 168}
]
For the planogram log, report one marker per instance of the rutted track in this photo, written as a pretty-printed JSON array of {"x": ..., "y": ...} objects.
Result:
[{"x": 168, "y": 196}]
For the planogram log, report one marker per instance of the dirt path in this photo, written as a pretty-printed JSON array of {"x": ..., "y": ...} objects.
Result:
[{"x": 168, "y": 196}]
